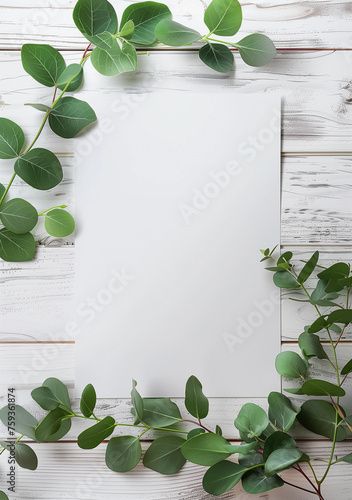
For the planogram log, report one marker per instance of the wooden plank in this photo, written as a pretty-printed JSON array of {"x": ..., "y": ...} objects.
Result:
[{"x": 312, "y": 24}]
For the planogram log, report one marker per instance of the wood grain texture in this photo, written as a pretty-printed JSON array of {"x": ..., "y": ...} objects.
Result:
[{"x": 313, "y": 24}]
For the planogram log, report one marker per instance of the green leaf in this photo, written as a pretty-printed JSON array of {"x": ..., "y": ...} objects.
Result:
[
  {"x": 315, "y": 387},
  {"x": 281, "y": 459},
  {"x": 88, "y": 400},
  {"x": 21, "y": 421},
  {"x": 160, "y": 412},
  {"x": 308, "y": 268},
  {"x": 223, "y": 17},
  {"x": 70, "y": 116},
  {"x": 40, "y": 107},
  {"x": 319, "y": 417},
  {"x": 256, "y": 49},
  {"x": 218, "y": 430},
  {"x": 114, "y": 61},
  {"x": 11, "y": 139},
  {"x": 290, "y": 364},
  {"x": 256, "y": 481},
  {"x": 336, "y": 271},
  {"x": 276, "y": 441},
  {"x": 73, "y": 75},
  {"x": 92, "y": 437},
  {"x": 44, "y": 63},
  {"x": 145, "y": 16},
  {"x": 222, "y": 477},
  {"x": 250, "y": 459},
  {"x": 25, "y": 456},
  {"x": 347, "y": 368},
  {"x": 252, "y": 420},
  {"x": 281, "y": 412},
  {"x": 59, "y": 389},
  {"x": 195, "y": 401},
  {"x": 127, "y": 30},
  {"x": 137, "y": 401},
  {"x": 123, "y": 453},
  {"x": 164, "y": 455},
  {"x": 45, "y": 398},
  {"x": 40, "y": 168},
  {"x": 175, "y": 34},
  {"x": 103, "y": 40},
  {"x": 347, "y": 458},
  {"x": 318, "y": 325},
  {"x": 3, "y": 496},
  {"x": 50, "y": 424},
  {"x": 95, "y": 16},
  {"x": 340, "y": 316},
  {"x": 2, "y": 190},
  {"x": 195, "y": 432},
  {"x": 59, "y": 223},
  {"x": 283, "y": 279},
  {"x": 217, "y": 57},
  {"x": 310, "y": 346},
  {"x": 61, "y": 432},
  {"x": 320, "y": 297},
  {"x": 16, "y": 247},
  {"x": 18, "y": 216},
  {"x": 206, "y": 449}
]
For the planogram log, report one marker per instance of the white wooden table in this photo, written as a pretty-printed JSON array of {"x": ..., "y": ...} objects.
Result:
[{"x": 313, "y": 72}]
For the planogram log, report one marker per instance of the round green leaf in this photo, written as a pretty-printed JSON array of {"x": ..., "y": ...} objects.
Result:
[
  {"x": 252, "y": 420},
  {"x": 50, "y": 424},
  {"x": 283, "y": 279},
  {"x": 88, "y": 400},
  {"x": 256, "y": 49},
  {"x": 40, "y": 168},
  {"x": 290, "y": 364},
  {"x": 320, "y": 417},
  {"x": 175, "y": 34},
  {"x": 277, "y": 440},
  {"x": 164, "y": 455},
  {"x": 18, "y": 216},
  {"x": 217, "y": 57},
  {"x": 123, "y": 453},
  {"x": 223, "y": 17},
  {"x": 256, "y": 481},
  {"x": 321, "y": 297},
  {"x": 11, "y": 139},
  {"x": 59, "y": 223},
  {"x": 59, "y": 390},
  {"x": 195, "y": 401},
  {"x": 103, "y": 40},
  {"x": 145, "y": 16},
  {"x": 315, "y": 387},
  {"x": 206, "y": 449},
  {"x": 222, "y": 477},
  {"x": 73, "y": 75},
  {"x": 310, "y": 346},
  {"x": 160, "y": 412},
  {"x": 115, "y": 60},
  {"x": 195, "y": 432},
  {"x": 92, "y": 437},
  {"x": 281, "y": 412},
  {"x": 127, "y": 30},
  {"x": 44, "y": 63},
  {"x": 3, "y": 496},
  {"x": 24, "y": 422},
  {"x": 16, "y": 247},
  {"x": 45, "y": 398},
  {"x": 64, "y": 428},
  {"x": 95, "y": 16},
  {"x": 70, "y": 116},
  {"x": 25, "y": 456},
  {"x": 281, "y": 459},
  {"x": 336, "y": 271}
]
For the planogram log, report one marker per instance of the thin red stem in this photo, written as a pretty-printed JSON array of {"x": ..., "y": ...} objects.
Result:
[{"x": 199, "y": 424}]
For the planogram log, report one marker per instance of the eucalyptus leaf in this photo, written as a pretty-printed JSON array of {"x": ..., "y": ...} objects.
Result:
[
  {"x": 11, "y": 139},
  {"x": 2, "y": 190},
  {"x": 347, "y": 458},
  {"x": 39, "y": 107},
  {"x": 336, "y": 271},
  {"x": 308, "y": 268},
  {"x": 290, "y": 364},
  {"x": 59, "y": 389},
  {"x": 16, "y": 247},
  {"x": 223, "y": 17},
  {"x": 320, "y": 297},
  {"x": 320, "y": 417},
  {"x": 206, "y": 449},
  {"x": 23, "y": 422},
  {"x": 284, "y": 279},
  {"x": 45, "y": 398},
  {"x": 103, "y": 40},
  {"x": 18, "y": 215},
  {"x": 314, "y": 387},
  {"x": 3, "y": 496},
  {"x": 256, "y": 49},
  {"x": 127, "y": 30},
  {"x": 281, "y": 412},
  {"x": 251, "y": 420},
  {"x": 318, "y": 325},
  {"x": 115, "y": 60},
  {"x": 256, "y": 481},
  {"x": 59, "y": 223},
  {"x": 50, "y": 424},
  {"x": 281, "y": 459},
  {"x": 222, "y": 477},
  {"x": 340, "y": 316},
  {"x": 71, "y": 76},
  {"x": 175, "y": 34},
  {"x": 40, "y": 168},
  {"x": 137, "y": 401},
  {"x": 93, "y": 436},
  {"x": 42, "y": 62},
  {"x": 217, "y": 57},
  {"x": 88, "y": 400},
  {"x": 70, "y": 116},
  {"x": 161, "y": 412},
  {"x": 276, "y": 441},
  {"x": 123, "y": 453},
  {"x": 164, "y": 455},
  {"x": 195, "y": 432},
  {"x": 347, "y": 368},
  {"x": 25, "y": 456},
  {"x": 310, "y": 346},
  {"x": 95, "y": 16},
  {"x": 195, "y": 401},
  {"x": 64, "y": 428}
]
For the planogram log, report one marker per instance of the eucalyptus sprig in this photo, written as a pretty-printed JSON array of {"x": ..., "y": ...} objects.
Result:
[
  {"x": 113, "y": 49},
  {"x": 268, "y": 446}
]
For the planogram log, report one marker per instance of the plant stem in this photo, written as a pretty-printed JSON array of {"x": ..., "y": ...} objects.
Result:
[
  {"x": 38, "y": 133},
  {"x": 299, "y": 487},
  {"x": 8, "y": 187},
  {"x": 199, "y": 425}
]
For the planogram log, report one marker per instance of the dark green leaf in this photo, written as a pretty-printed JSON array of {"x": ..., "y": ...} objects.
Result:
[
  {"x": 45, "y": 398},
  {"x": 206, "y": 449},
  {"x": 40, "y": 168},
  {"x": 315, "y": 387},
  {"x": 3, "y": 496},
  {"x": 2, "y": 190},
  {"x": 59, "y": 223},
  {"x": 320, "y": 297},
  {"x": 290, "y": 364},
  {"x": 18, "y": 216},
  {"x": 281, "y": 411},
  {"x": 283, "y": 279},
  {"x": 16, "y": 247},
  {"x": 295, "y": 390},
  {"x": 40, "y": 107},
  {"x": 21, "y": 421},
  {"x": 123, "y": 453},
  {"x": 223, "y": 17},
  {"x": 88, "y": 400},
  {"x": 114, "y": 61},
  {"x": 281, "y": 459},
  {"x": 70, "y": 116},
  {"x": 222, "y": 477},
  {"x": 310, "y": 346},
  {"x": 137, "y": 401},
  {"x": 256, "y": 49},
  {"x": 252, "y": 420},
  {"x": 195, "y": 432},
  {"x": 340, "y": 316},
  {"x": 73, "y": 75},
  {"x": 59, "y": 389},
  {"x": 164, "y": 455},
  {"x": 11, "y": 139},
  {"x": 92, "y": 437},
  {"x": 95, "y": 16},
  {"x": 25, "y": 456},
  {"x": 217, "y": 57},
  {"x": 347, "y": 368},
  {"x": 44, "y": 63},
  {"x": 196, "y": 403},
  {"x": 347, "y": 458},
  {"x": 250, "y": 459},
  {"x": 145, "y": 16},
  {"x": 308, "y": 268},
  {"x": 318, "y": 325},
  {"x": 276, "y": 441},
  {"x": 160, "y": 412},
  {"x": 61, "y": 432},
  {"x": 320, "y": 417},
  {"x": 256, "y": 481},
  {"x": 218, "y": 430},
  {"x": 336, "y": 271},
  {"x": 50, "y": 424},
  {"x": 175, "y": 34}
]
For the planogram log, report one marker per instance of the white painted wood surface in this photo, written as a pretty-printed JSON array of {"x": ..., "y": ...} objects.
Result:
[{"x": 316, "y": 211}]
